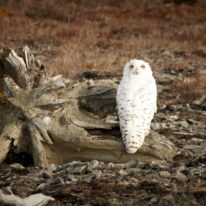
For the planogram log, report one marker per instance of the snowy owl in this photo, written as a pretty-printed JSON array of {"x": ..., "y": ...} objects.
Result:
[{"x": 136, "y": 103}]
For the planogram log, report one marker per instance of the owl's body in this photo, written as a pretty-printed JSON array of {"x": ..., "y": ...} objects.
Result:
[{"x": 136, "y": 103}]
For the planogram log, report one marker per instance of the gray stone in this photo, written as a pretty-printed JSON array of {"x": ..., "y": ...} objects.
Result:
[
  {"x": 167, "y": 200},
  {"x": 180, "y": 176},
  {"x": 41, "y": 187},
  {"x": 164, "y": 174}
]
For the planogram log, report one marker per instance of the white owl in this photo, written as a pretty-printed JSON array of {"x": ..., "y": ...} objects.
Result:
[{"x": 136, "y": 103}]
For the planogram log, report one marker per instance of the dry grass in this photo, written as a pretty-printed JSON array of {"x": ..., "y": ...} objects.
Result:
[
  {"x": 190, "y": 89},
  {"x": 78, "y": 35}
]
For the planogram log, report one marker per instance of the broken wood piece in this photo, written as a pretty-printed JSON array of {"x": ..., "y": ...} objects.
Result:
[{"x": 33, "y": 200}]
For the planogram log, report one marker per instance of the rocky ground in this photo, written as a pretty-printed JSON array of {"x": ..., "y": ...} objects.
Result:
[
  {"x": 179, "y": 182},
  {"x": 179, "y": 69}
]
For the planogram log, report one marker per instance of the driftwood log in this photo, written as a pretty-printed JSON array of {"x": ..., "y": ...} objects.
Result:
[{"x": 57, "y": 120}]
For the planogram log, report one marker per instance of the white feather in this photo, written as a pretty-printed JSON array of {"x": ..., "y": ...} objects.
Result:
[{"x": 136, "y": 103}]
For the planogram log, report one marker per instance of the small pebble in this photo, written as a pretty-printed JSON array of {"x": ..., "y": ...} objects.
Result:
[
  {"x": 41, "y": 187},
  {"x": 17, "y": 166},
  {"x": 180, "y": 176},
  {"x": 164, "y": 174}
]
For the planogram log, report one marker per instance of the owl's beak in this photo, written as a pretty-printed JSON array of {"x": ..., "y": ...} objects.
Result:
[{"x": 135, "y": 72}]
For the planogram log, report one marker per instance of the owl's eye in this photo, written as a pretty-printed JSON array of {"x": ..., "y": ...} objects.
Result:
[
  {"x": 142, "y": 66},
  {"x": 131, "y": 66}
]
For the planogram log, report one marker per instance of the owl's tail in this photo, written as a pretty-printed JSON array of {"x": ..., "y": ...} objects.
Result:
[
  {"x": 133, "y": 128},
  {"x": 133, "y": 137},
  {"x": 133, "y": 143}
]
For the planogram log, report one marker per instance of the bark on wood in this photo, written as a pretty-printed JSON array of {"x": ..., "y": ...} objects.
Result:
[{"x": 58, "y": 120}]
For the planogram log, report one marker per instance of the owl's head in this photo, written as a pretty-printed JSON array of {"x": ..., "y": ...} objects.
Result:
[{"x": 137, "y": 67}]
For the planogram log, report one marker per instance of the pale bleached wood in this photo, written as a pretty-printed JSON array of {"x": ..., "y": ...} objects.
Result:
[{"x": 38, "y": 199}]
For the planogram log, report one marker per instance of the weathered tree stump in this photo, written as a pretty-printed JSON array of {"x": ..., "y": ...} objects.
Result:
[{"x": 58, "y": 120}]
